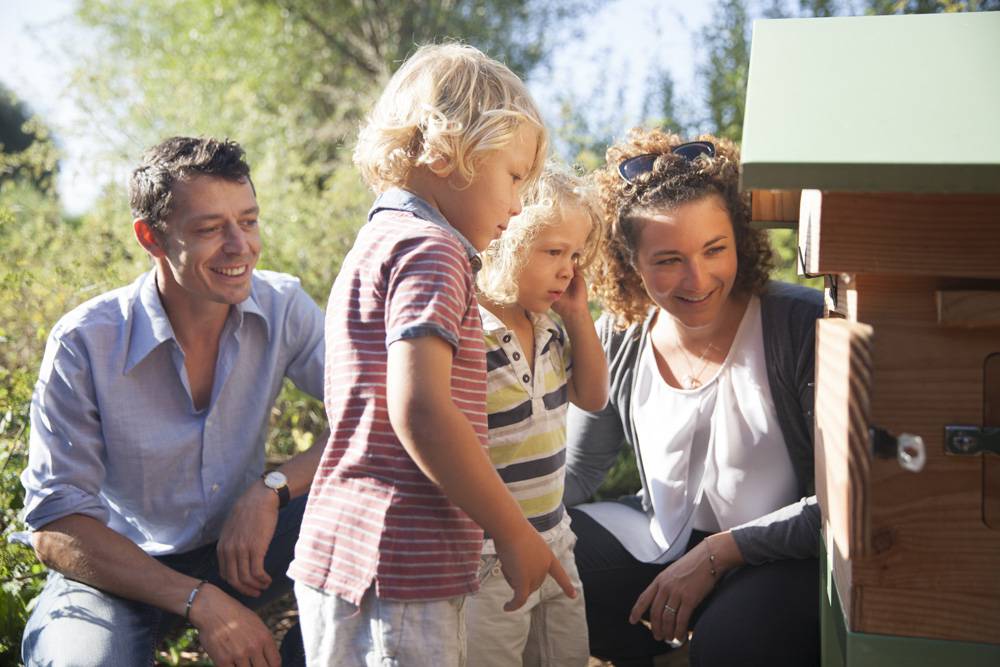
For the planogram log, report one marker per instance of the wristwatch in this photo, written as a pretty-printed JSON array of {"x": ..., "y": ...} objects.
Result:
[{"x": 277, "y": 482}]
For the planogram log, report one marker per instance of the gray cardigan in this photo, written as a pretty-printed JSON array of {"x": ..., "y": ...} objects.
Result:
[{"x": 788, "y": 318}]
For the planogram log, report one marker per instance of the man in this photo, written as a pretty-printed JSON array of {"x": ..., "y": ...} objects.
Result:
[{"x": 144, "y": 488}]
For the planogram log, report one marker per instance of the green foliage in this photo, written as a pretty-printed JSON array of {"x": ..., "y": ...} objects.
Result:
[
  {"x": 725, "y": 72},
  {"x": 26, "y": 149}
]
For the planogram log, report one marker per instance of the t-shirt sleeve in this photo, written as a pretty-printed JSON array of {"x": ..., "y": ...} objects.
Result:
[{"x": 428, "y": 289}]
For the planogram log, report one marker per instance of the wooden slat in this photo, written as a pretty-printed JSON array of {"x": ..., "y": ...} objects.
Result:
[
  {"x": 969, "y": 308},
  {"x": 843, "y": 371},
  {"x": 930, "y": 547},
  {"x": 774, "y": 208},
  {"x": 901, "y": 233},
  {"x": 991, "y": 462},
  {"x": 902, "y": 299},
  {"x": 925, "y": 612}
]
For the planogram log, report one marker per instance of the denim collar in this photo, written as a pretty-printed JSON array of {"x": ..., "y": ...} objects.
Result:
[{"x": 398, "y": 199}]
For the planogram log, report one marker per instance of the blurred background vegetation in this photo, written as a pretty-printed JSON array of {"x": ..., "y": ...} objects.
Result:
[{"x": 290, "y": 80}]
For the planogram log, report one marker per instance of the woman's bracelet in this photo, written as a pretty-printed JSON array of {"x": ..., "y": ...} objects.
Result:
[
  {"x": 711, "y": 563},
  {"x": 190, "y": 601}
]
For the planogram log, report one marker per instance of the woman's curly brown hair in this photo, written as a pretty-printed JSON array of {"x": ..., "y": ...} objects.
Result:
[{"x": 674, "y": 180}]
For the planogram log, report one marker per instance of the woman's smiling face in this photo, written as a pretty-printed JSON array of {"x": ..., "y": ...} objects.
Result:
[{"x": 686, "y": 257}]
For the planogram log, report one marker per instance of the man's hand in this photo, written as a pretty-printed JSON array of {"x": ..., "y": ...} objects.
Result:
[
  {"x": 245, "y": 538},
  {"x": 230, "y": 633},
  {"x": 525, "y": 564}
]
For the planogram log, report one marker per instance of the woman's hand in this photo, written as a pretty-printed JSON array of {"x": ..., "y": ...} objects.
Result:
[{"x": 677, "y": 591}]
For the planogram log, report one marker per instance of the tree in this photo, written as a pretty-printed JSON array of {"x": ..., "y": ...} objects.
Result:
[
  {"x": 26, "y": 151},
  {"x": 930, "y": 6},
  {"x": 725, "y": 71},
  {"x": 289, "y": 79}
]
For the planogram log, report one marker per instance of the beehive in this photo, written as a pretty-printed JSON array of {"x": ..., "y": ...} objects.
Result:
[{"x": 887, "y": 132}]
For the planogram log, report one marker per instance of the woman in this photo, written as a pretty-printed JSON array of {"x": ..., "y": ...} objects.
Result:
[{"x": 711, "y": 385}]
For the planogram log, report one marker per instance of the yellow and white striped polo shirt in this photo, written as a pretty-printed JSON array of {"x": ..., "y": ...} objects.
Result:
[{"x": 526, "y": 412}]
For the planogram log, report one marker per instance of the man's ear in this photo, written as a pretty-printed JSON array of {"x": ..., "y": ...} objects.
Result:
[{"x": 147, "y": 238}]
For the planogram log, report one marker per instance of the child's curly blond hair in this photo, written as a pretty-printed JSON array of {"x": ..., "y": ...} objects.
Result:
[
  {"x": 672, "y": 181},
  {"x": 447, "y": 101},
  {"x": 556, "y": 191}
]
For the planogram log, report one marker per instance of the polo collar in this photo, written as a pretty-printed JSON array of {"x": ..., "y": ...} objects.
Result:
[
  {"x": 540, "y": 322},
  {"x": 398, "y": 199}
]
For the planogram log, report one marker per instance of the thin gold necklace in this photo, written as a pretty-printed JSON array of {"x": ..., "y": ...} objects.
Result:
[{"x": 693, "y": 380}]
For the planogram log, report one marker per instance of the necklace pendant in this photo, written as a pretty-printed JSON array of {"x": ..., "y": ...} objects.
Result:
[{"x": 691, "y": 382}]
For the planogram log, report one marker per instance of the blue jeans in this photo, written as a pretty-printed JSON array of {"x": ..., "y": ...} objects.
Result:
[{"x": 77, "y": 624}]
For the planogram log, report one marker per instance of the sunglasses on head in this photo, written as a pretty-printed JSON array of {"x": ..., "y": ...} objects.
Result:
[{"x": 634, "y": 167}]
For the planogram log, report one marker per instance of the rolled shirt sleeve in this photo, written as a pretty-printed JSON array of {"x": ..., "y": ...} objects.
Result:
[
  {"x": 115, "y": 432},
  {"x": 66, "y": 453}
]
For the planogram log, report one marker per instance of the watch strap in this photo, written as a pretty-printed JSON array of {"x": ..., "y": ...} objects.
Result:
[{"x": 284, "y": 495}]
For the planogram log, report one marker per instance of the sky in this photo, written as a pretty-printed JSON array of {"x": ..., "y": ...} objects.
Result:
[{"x": 617, "y": 43}]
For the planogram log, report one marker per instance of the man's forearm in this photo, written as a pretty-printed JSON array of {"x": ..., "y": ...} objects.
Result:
[
  {"x": 84, "y": 549},
  {"x": 300, "y": 469}
]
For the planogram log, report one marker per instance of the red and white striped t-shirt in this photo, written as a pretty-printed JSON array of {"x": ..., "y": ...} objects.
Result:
[{"x": 372, "y": 516}]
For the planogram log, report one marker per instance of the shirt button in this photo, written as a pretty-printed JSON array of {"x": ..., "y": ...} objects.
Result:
[
  {"x": 215, "y": 487},
  {"x": 506, "y": 338},
  {"x": 526, "y": 377},
  {"x": 517, "y": 355}
]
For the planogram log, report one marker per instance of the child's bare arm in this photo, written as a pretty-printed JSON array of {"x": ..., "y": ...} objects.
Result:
[
  {"x": 588, "y": 386},
  {"x": 445, "y": 447}
]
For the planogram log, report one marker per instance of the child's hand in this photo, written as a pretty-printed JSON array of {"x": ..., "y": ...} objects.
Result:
[
  {"x": 573, "y": 302},
  {"x": 525, "y": 564}
]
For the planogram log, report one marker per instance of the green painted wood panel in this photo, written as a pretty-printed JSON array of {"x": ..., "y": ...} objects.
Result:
[
  {"x": 839, "y": 647},
  {"x": 875, "y": 103}
]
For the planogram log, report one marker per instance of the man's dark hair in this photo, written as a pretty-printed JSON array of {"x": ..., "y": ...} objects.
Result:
[{"x": 176, "y": 159}]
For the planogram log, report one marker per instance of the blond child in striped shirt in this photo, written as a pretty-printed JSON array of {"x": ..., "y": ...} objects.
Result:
[
  {"x": 389, "y": 542},
  {"x": 533, "y": 372}
]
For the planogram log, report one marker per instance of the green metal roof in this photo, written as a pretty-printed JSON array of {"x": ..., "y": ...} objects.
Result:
[{"x": 875, "y": 103}]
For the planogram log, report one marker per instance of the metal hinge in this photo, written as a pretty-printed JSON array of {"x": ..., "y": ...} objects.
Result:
[{"x": 971, "y": 439}]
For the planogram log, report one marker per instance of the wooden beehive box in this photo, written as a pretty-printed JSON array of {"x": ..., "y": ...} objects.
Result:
[{"x": 887, "y": 131}]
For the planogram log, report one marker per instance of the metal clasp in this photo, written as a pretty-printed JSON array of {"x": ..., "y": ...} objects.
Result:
[{"x": 908, "y": 449}]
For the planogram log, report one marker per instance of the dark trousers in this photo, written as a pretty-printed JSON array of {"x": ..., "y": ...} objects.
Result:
[{"x": 764, "y": 615}]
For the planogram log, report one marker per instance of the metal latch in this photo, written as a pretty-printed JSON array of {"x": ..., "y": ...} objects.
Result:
[
  {"x": 971, "y": 439},
  {"x": 907, "y": 449}
]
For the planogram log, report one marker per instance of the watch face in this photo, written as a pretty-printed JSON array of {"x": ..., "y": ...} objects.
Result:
[{"x": 275, "y": 479}]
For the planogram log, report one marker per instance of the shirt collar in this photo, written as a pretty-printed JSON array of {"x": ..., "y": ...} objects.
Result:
[
  {"x": 150, "y": 326},
  {"x": 398, "y": 199},
  {"x": 541, "y": 322}
]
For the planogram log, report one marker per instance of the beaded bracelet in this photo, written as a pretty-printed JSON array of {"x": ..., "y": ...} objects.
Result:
[{"x": 190, "y": 601}]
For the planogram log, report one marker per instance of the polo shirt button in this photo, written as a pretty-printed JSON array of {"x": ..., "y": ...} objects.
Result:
[
  {"x": 526, "y": 377},
  {"x": 517, "y": 355},
  {"x": 215, "y": 487},
  {"x": 506, "y": 338}
]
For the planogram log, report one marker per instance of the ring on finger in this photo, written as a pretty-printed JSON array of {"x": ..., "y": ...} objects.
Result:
[{"x": 670, "y": 609}]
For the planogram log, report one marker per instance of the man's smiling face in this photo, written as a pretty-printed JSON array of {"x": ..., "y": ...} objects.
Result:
[{"x": 212, "y": 241}]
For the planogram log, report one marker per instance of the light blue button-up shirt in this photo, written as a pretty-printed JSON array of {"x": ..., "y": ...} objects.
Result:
[{"x": 114, "y": 431}]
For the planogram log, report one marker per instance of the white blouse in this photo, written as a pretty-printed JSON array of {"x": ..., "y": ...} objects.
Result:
[{"x": 714, "y": 456}]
